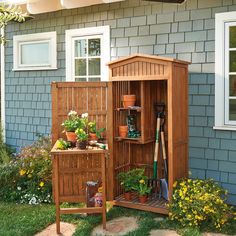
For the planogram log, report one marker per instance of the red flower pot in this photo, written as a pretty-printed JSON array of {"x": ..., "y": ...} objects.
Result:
[
  {"x": 128, "y": 100},
  {"x": 128, "y": 196},
  {"x": 71, "y": 137},
  {"x": 142, "y": 198},
  {"x": 93, "y": 136},
  {"x": 123, "y": 131}
]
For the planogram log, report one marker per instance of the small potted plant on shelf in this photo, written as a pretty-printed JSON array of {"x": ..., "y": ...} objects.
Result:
[
  {"x": 70, "y": 125},
  {"x": 94, "y": 133},
  {"x": 82, "y": 138},
  {"x": 129, "y": 180},
  {"x": 123, "y": 131},
  {"x": 143, "y": 189}
]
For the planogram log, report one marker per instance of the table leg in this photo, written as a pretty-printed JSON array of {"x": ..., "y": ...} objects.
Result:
[{"x": 104, "y": 190}]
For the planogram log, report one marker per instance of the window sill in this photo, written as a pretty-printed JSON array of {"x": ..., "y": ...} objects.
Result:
[
  {"x": 225, "y": 127},
  {"x": 34, "y": 68}
]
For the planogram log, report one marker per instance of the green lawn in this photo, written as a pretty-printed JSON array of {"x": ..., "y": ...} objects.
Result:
[{"x": 26, "y": 220}]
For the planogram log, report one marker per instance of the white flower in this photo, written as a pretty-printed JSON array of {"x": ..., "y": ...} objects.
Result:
[
  {"x": 33, "y": 201},
  {"x": 19, "y": 188},
  {"x": 84, "y": 115},
  {"x": 72, "y": 113}
]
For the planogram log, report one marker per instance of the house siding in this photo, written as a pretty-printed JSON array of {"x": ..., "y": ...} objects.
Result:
[{"x": 184, "y": 31}]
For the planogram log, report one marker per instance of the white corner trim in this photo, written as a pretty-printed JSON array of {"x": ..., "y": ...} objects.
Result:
[
  {"x": 221, "y": 20},
  {"x": 230, "y": 128},
  {"x": 50, "y": 37},
  {"x": 104, "y": 31},
  {"x": 3, "y": 115}
]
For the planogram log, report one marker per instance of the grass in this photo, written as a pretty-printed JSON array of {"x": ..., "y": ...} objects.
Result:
[{"x": 27, "y": 220}]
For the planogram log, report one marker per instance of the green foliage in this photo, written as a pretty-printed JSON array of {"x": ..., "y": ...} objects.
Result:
[
  {"x": 81, "y": 135},
  {"x": 92, "y": 126},
  {"x": 62, "y": 144},
  {"x": 10, "y": 13},
  {"x": 130, "y": 179},
  {"x": 27, "y": 178},
  {"x": 141, "y": 187},
  {"x": 72, "y": 122},
  {"x": 197, "y": 201}
]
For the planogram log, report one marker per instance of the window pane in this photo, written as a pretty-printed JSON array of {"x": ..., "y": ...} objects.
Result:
[
  {"x": 232, "y": 37},
  {"x": 80, "y": 67},
  {"x": 232, "y": 85},
  {"x": 94, "y": 47},
  {"x": 94, "y": 66},
  {"x": 94, "y": 79},
  {"x": 81, "y": 48},
  {"x": 232, "y": 60},
  {"x": 232, "y": 109},
  {"x": 80, "y": 79},
  {"x": 35, "y": 54}
]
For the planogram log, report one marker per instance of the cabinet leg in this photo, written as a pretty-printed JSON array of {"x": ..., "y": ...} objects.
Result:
[{"x": 58, "y": 220}]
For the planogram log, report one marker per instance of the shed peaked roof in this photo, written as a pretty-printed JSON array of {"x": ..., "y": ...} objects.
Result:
[{"x": 147, "y": 56}]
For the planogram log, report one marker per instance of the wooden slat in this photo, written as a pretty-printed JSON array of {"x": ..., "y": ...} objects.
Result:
[
  {"x": 81, "y": 210},
  {"x": 140, "y": 78}
]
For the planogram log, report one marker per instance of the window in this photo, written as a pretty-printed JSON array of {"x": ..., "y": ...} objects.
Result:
[
  {"x": 87, "y": 52},
  {"x": 225, "y": 71},
  {"x": 35, "y": 51}
]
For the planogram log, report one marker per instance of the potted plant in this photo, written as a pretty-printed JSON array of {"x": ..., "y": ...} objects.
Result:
[
  {"x": 94, "y": 133},
  {"x": 70, "y": 125},
  {"x": 129, "y": 180},
  {"x": 82, "y": 138},
  {"x": 143, "y": 189}
]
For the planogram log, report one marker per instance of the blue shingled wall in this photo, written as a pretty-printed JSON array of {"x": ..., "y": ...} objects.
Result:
[{"x": 181, "y": 31}]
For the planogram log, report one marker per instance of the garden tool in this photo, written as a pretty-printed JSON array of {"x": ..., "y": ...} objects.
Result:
[
  {"x": 164, "y": 182},
  {"x": 159, "y": 107}
]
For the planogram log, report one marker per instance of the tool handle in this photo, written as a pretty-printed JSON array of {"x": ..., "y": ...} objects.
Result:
[
  {"x": 163, "y": 145},
  {"x": 157, "y": 139}
]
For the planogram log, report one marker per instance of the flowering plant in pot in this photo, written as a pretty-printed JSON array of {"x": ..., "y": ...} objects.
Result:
[
  {"x": 94, "y": 132},
  {"x": 70, "y": 125},
  {"x": 129, "y": 180},
  {"x": 82, "y": 138},
  {"x": 142, "y": 189}
]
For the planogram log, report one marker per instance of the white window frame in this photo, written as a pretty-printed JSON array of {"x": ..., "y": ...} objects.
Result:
[
  {"x": 47, "y": 37},
  {"x": 104, "y": 33},
  {"x": 222, "y": 23}
]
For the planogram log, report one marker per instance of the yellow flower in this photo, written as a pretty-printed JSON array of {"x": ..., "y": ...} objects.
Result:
[
  {"x": 29, "y": 175},
  {"x": 142, "y": 181},
  {"x": 175, "y": 184},
  {"x": 100, "y": 189},
  {"x": 41, "y": 184},
  {"x": 22, "y": 172}
]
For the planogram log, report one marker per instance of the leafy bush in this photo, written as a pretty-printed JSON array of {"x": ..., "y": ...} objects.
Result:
[
  {"x": 197, "y": 201},
  {"x": 27, "y": 178}
]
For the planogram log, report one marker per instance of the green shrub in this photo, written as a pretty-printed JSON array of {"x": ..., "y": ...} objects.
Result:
[
  {"x": 197, "y": 201},
  {"x": 27, "y": 178}
]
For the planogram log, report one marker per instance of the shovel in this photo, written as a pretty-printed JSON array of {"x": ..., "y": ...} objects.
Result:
[{"x": 164, "y": 182}]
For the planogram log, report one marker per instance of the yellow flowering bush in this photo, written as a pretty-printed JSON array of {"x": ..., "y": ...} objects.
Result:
[{"x": 197, "y": 201}]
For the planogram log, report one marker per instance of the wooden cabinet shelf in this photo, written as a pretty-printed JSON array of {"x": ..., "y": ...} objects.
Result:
[
  {"x": 133, "y": 140},
  {"x": 138, "y": 109}
]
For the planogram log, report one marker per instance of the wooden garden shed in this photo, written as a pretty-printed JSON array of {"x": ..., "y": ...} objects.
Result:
[{"x": 153, "y": 80}]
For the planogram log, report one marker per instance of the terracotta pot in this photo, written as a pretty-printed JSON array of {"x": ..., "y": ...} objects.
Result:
[
  {"x": 142, "y": 198},
  {"x": 93, "y": 136},
  {"x": 128, "y": 196},
  {"x": 81, "y": 145},
  {"x": 128, "y": 100},
  {"x": 71, "y": 137},
  {"x": 123, "y": 131}
]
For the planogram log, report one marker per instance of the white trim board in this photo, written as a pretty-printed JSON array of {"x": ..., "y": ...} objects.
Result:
[
  {"x": 104, "y": 32},
  {"x": 221, "y": 22}
]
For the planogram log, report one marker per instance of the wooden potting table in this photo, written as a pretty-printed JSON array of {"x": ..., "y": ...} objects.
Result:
[{"x": 72, "y": 168}]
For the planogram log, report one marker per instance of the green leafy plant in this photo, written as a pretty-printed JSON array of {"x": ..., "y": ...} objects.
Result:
[
  {"x": 81, "y": 135},
  {"x": 72, "y": 123},
  {"x": 130, "y": 178},
  {"x": 142, "y": 187},
  {"x": 197, "y": 201},
  {"x": 10, "y": 13},
  {"x": 92, "y": 126},
  {"x": 27, "y": 178}
]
